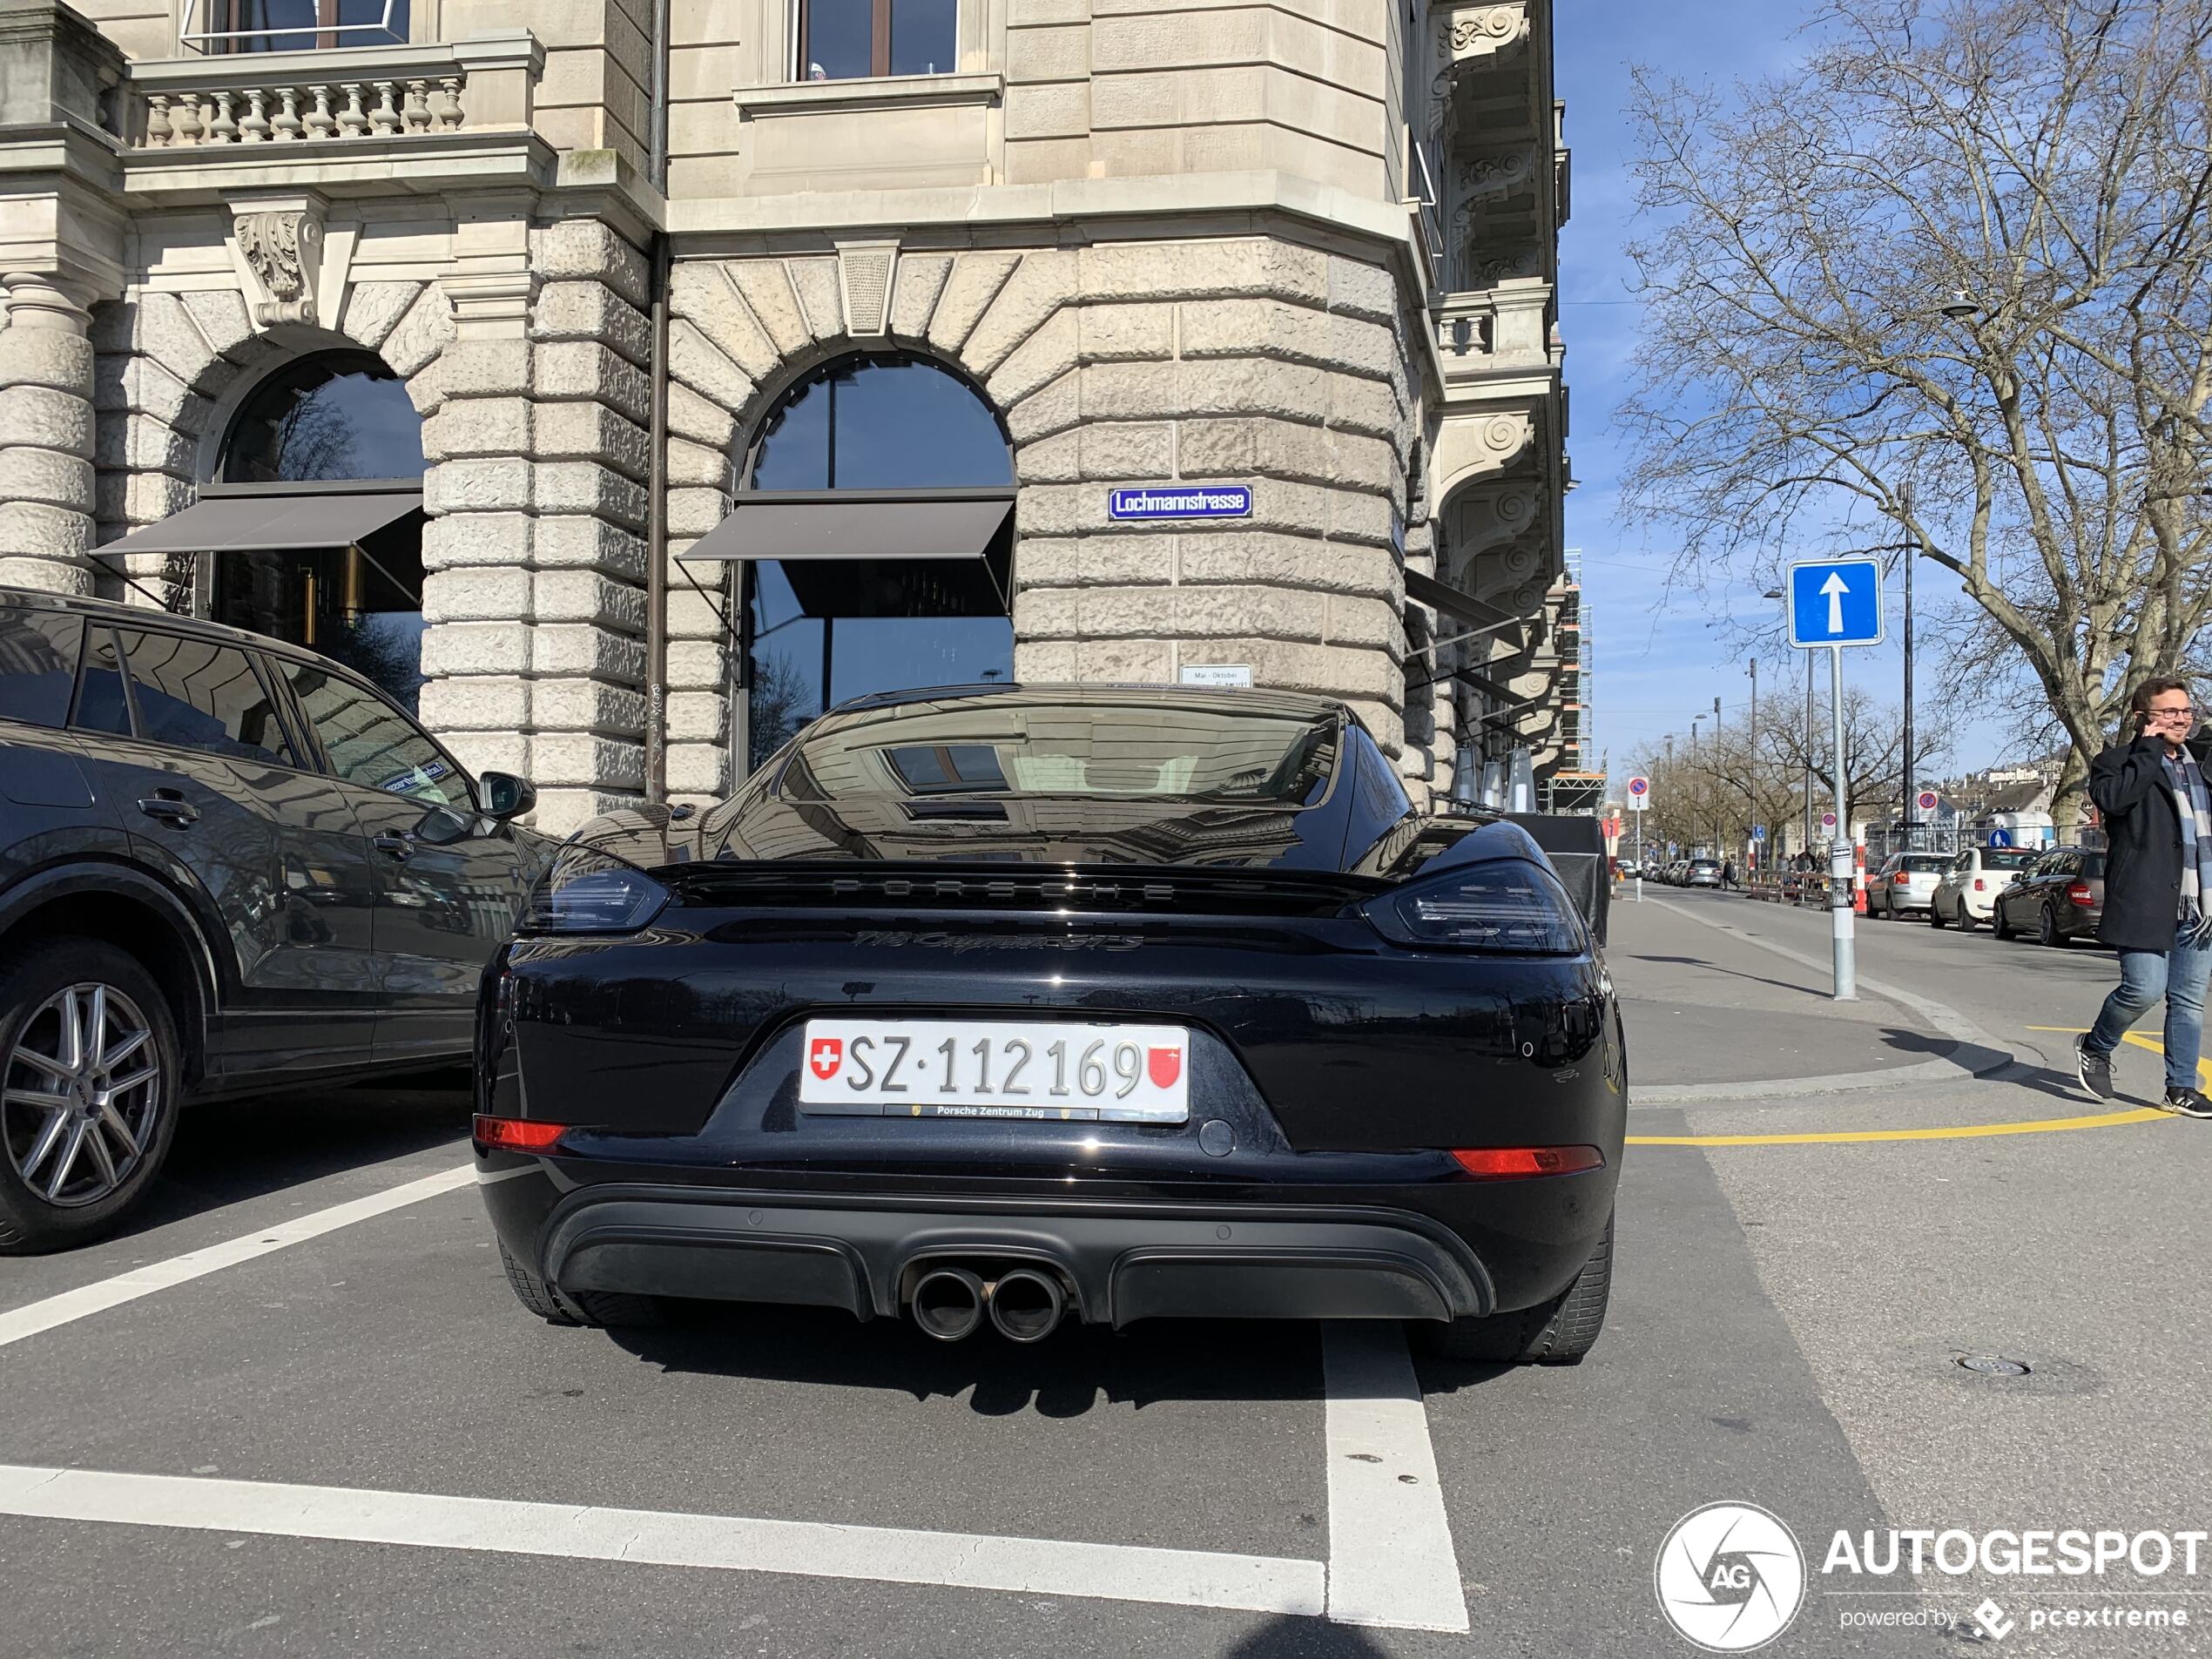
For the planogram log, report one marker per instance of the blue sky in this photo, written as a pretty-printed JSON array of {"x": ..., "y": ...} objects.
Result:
[{"x": 1660, "y": 659}]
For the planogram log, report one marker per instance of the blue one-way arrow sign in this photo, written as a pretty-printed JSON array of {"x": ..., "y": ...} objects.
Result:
[{"x": 1836, "y": 601}]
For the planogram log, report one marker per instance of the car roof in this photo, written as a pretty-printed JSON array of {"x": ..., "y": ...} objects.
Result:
[
  {"x": 139, "y": 616},
  {"x": 1250, "y": 699}
]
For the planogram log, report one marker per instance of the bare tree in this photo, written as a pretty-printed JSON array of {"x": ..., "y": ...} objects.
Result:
[{"x": 1946, "y": 290}]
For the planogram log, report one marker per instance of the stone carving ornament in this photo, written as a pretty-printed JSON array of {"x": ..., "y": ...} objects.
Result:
[
  {"x": 284, "y": 250},
  {"x": 1471, "y": 34}
]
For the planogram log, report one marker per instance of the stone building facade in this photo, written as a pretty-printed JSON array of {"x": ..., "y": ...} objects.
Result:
[{"x": 609, "y": 248}]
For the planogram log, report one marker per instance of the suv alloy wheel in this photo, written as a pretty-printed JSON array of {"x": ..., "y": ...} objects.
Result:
[{"x": 88, "y": 1080}]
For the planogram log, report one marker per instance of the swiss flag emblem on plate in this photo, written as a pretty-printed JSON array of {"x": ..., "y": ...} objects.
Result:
[
  {"x": 827, "y": 1055},
  {"x": 1164, "y": 1066}
]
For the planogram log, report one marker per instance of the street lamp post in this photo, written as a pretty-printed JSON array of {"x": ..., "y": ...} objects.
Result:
[
  {"x": 1904, "y": 510},
  {"x": 1755, "y": 761}
]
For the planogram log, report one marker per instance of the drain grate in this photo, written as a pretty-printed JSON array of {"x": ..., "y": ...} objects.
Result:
[{"x": 1989, "y": 1365}]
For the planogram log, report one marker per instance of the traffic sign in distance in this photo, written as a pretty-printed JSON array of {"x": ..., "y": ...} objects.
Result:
[
  {"x": 1758, "y": 831},
  {"x": 1639, "y": 788},
  {"x": 1928, "y": 802},
  {"x": 1836, "y": 601},
  {"x": 2000, "y": 838},
  {"x": 1828, "y": 821}
]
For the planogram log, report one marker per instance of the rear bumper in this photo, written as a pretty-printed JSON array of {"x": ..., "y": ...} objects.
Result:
[{"x": 1120, "y": 1262}]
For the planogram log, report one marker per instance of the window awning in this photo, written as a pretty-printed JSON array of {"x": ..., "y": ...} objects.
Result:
[
  {"x": 1478, "y": 614},
  {"x": 247, "y": 517},
  {"x": 859, "y": 524}
]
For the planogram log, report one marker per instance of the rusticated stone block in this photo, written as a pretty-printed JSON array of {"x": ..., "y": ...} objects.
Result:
[
  {"x": 476, "y": 593},
  {"x": 1288, "y": 333},
  {"x": 1198, "y": 270},
  {"x": 462, "y": 539},
  {"x": 694, "y": 360},
  {"x": 1268, "y": 613},
  {"x": 46, "y": 476},
  {"x": 921, "y": 280},
  {"x": 698, "y": 665},
  {"x": 1366, "y": 621},
  {"x": 587, "y": 431},
  {"x": 703, "y": 421},
  {"x": 698, "y": 717},
  {"x": 1363, "y": 290},
  {"x": 476, "y": 703},
  {"x": 820, "y": 298},
  {"x": 219, "y": 314},
  {"x": 1037, "y": 362},
  {"x": 45, "y": 575},
  {"x": 45, "y": 357},
  {"x": 32, "y": 529},
  {"x": 562, "y": 811},
  {"x": 766, "y": 285},
  {"x": 592, "y": 311},
  {"x": 420, "y": 336},
  {"x": 701, "y": 294},
  {"x": 587, "y": 706},
  {"x": 694, "y": 512},
  {"x": 588, "y": 249},
  {"x": 561, "y": 758},
  {"x": 1038, "y": 286},
  {"x": 485, "y": 369},
  {"x": 699, "y": 769},
  {"x": 1125, "y": 661},
  {"x": 581, "y": 649},
  {"x": 587, "y": 487},
  {"x": 975, "y": 280},
  {"x": 586, "y": 596},
  {"x": 483, "y": 752},
  {"x": 1056, "y": 408},
  {"x": 498, "y": 648},
  {"x": 589, "y": 544},
  {"x": 373, "y": 309},
  {"x": 695, "y": 463},
  {"x": 478, "y": 426},
  {"x": 480, "y": 485},
  {"x": 582, "y": 368},
  {"x": 39, "y": 417},
  {"x": 1126, "y": 333},
  {"x": 1289, "y": 561}
]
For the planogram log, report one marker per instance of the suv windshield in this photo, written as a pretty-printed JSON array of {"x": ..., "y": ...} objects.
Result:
[{"x": 1013, "y": 746}]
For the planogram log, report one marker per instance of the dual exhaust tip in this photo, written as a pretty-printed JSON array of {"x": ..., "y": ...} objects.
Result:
[{"x": 950, "y": 1303}]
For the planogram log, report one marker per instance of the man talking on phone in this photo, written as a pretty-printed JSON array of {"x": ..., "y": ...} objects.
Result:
[{"x": 2158, "y": 879}]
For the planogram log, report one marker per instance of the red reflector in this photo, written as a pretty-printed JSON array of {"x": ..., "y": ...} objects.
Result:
[
  {"x": 1503, "y": 1162},
  {"x": 2080, "y": 893},
  {"x": 517, "y": 1134}
]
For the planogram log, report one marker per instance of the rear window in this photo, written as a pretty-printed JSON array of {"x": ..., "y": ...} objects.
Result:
[
  {"x": 38, "y": 664},
  {"x": 202, "y": 694},
  {"x": 1923, "y": 863},
  {"x": 1014, "y": 746},
  {"x": 2015, "y": 858},
  {"x": 2093, "y": 865},
  {"x": 1705, "y": 864}
]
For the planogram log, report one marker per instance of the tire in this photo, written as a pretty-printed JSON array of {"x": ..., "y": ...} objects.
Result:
[
  {"x": 1935, "y": 913},
  {"x": 1999, "y": 924},
  {"x": 1967, "y": 923},
  {"x": 600, "y": 1308},
  {"x": 68, "y": 1174},
  {"x": 2046, "y": 930},
  {"x": 1557, "y": 1332}
]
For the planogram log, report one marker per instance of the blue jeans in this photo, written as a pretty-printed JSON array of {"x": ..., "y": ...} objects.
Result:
[{"x": 2178, "y": 975}]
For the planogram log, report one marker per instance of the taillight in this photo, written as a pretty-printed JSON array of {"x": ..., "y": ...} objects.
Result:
[
  {"x": 1980, "y": 886},
  {"x": 517, "y": 1134},
  {"x": 2080, "y": 893},
  {"x": 1505, "y": 905},
  {"x": 1507, "y": 1162},
  {"x": 1901, "y": 880}
]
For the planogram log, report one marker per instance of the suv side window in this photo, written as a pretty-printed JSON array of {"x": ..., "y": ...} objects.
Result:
[
  {"x": 38, "y": 664},
  {"x": 372, "y": 744},
  {"x": 103, "y": 702},
  {"x": 203, "y": 694}
]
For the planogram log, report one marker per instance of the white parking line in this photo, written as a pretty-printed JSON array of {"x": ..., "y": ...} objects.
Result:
[
  {"x": 1111, "y": 1572},
  {"x": 1391, "y": 1561},
  {"x": 145, "y": 1280}
]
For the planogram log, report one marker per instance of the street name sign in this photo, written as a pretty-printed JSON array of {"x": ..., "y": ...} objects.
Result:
[
  {"x": 1182, "y": 501},
  {"x": 1836, "y": 601}
]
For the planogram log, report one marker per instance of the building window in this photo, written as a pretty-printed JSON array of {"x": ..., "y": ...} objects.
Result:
[
  {"x": 819, "y": 631},
  {"x": 843, "y": 40},
  {"x": 333, "y": 418},
  {"x": 293, "y": 25}
]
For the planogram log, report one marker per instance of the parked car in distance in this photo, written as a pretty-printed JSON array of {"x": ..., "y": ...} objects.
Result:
[
  {"x": 1702, "y": 872},
  {"x": 2060, "y": 897},
  {"x": 1904, "y": 885},
  {"x": 227, "y": 865},
  {"x": 950, "y": 1015},
  {"x": 1967, "y": 893}
]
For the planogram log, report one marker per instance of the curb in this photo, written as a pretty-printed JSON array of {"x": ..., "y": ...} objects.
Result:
[{"x": 1975, "y": 1052}]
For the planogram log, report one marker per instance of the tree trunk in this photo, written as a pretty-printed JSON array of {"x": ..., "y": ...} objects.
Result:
[{"x": 2071, "y": 797}]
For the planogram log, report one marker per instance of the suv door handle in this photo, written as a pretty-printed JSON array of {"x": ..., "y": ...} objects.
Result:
[
  {"x": 171, "y": 808},
  {"x": 394, "y": 844}
]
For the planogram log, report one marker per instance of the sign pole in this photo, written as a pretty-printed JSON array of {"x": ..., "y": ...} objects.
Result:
[
  {"x": 1639, "y": 856},
  {"x": 1839, "y": 858}
]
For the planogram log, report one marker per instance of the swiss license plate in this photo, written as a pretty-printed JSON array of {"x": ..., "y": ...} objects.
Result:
[{"x": 1017, "y": 1069}]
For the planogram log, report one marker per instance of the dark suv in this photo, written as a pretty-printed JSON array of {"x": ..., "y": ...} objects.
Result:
[{"x": 227, "y": 865}]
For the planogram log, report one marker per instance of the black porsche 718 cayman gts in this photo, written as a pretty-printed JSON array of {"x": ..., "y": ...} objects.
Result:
[{"x": 1013, "y": 1004}]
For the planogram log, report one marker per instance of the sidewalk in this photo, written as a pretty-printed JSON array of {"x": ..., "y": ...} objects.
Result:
[{"x": 1704, "y": 1008}]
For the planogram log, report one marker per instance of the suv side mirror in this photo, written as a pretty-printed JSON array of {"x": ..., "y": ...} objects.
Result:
[{"x": 507, "y": 796}]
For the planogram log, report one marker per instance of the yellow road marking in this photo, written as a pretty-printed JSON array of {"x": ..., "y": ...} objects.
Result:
[{"x": 1968, "y": 1131}]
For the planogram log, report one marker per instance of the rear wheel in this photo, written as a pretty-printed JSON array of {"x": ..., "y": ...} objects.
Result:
[
  {"x": 89, "y": 1072},
  {"x": 2046, "y": 928},
  {"x": 1557, "y": 1332},
  {"x": 2000, "y": 923},
  {"x": 1965, "y": 918},
  {"x": 1935, "y": 912},
  {"x": 575, "y": 1307}
]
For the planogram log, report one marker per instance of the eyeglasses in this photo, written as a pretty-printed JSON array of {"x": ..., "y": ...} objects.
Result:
[{"x": 2167, "y": 714}]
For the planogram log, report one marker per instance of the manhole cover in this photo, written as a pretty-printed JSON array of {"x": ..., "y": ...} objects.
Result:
[{"x": 1989, "y": 1365}]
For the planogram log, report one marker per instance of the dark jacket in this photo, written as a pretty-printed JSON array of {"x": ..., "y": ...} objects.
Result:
[{"x": 2143, "y": 846}]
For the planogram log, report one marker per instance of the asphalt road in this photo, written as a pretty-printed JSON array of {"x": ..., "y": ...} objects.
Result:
[{"x": 335, "y": 1431}]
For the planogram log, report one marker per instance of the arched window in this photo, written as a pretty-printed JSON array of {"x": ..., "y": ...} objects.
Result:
[
  {"x": 875, "y": 523},
  {"x": 320, "y": 476},
  {"x": 334, "y": 415}
]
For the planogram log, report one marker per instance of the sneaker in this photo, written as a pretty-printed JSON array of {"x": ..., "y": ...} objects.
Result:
[
  {"x": 2189, "y": 1103},
  {"x": 2095, "y": 1071}
]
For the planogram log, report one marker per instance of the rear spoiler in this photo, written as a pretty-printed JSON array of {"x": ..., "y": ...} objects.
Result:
[{"x": 1576, "y": 848}]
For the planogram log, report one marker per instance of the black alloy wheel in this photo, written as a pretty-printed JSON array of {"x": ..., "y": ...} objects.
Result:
[
  {"x": 88, "y": 1079},
  {"x": 2047, "y": 927}
]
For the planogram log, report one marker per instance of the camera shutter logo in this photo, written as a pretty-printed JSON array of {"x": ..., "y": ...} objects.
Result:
[{"x": 1729, "y": 1577}]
